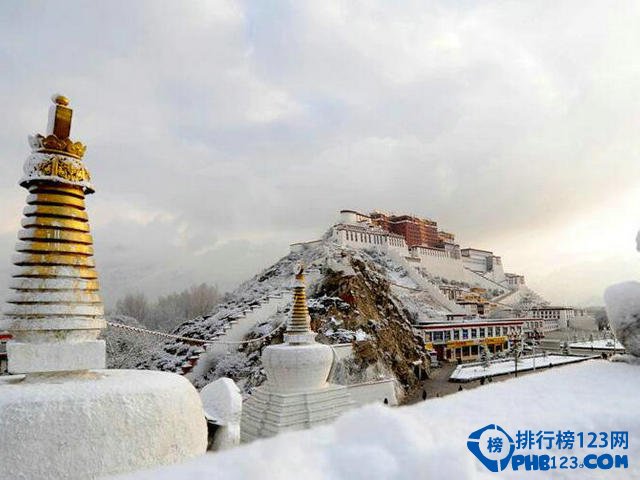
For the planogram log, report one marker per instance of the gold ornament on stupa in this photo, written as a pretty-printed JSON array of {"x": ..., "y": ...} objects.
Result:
[
  {"x": 55, "y": 306},
  {"x": 300, "y": 321}
]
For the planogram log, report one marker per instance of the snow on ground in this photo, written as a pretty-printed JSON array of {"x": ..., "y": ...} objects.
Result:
[
  {"x": 401, "y": 278},
  {"x": 429, "y": 440},
  {"x": 465, "y": 373},
  {"x": 420, "y": 305},
  {"x": 604, "y": 344}
]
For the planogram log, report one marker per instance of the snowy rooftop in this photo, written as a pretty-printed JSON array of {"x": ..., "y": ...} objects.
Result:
[
  {"x": 603, "y": 344},
  {"x": 429, "y": 440},
  {"x": 467, "y": 372}
]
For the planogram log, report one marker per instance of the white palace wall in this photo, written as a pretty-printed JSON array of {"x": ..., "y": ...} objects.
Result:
[
  {"x": 440, "y": 263},
  {"x": 448, "y": 264},
  {"x": 360, "y": 237}
]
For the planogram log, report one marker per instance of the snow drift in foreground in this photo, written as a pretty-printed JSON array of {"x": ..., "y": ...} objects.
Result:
[
  {"x": 623, "y": 310},
  {"x": 428, "y": 440}
]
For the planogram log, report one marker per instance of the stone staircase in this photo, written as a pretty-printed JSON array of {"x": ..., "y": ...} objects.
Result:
[
  {"x": 236, "y": 330},
  {"x": 239, "y": 326},
  {"x": 486, "y": 282},
  {"x": 424, "y": 284}
]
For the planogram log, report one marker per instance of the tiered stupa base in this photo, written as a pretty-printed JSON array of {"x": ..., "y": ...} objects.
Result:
[
  {"x": 54, "y": 312},
  {"x": 26, "y": 357},
  {"x": 100, "y": 422},
  {"x": 296, "y": 395},
  {"x": 267, "y": 413}
]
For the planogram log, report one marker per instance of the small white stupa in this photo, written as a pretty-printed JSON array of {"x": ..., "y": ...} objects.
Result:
[
  {"x": 61, "y": 414},
  {"x": 296, "y": 394}
]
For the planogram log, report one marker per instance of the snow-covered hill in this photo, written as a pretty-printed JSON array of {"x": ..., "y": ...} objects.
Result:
[
  {"x": 369, "y": 297},
  {"x": 366, "y": 297}
]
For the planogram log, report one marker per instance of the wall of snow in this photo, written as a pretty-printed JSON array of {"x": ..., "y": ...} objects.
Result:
[
  {"x": 429, "y": 440},
  {"x": 97, "y": 423}
]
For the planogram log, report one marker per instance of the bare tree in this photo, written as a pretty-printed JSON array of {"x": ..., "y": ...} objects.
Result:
[
  {"x": 134, "y": 305},
  {"x": 170, "y": 310}
]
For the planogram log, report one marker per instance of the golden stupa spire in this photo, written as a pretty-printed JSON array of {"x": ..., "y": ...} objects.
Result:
[
  {"x": 55, "y": 303},
  {"x": 58, "y": 130},
  {"x": 300, "y": 321}
]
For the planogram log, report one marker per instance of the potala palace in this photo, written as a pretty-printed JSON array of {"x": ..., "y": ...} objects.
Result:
[{"x": 472, "y": 280}]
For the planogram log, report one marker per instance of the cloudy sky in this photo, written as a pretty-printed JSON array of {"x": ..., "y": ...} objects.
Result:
[{"x": 219, "y": 132}]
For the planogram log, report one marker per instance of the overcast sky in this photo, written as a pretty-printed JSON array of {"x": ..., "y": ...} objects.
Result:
[{"x": 220, "y": 132}]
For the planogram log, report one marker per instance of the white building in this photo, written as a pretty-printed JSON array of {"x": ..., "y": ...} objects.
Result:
[
  {"x": 555, "y": 318},
  {"x": 484, "y": 263},
  {"x": 366, "y": 235},
  {"x": 465, "y": 339},
  {"x": 513, "y": 280}
]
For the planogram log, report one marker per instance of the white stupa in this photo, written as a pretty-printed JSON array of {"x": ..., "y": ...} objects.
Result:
[
  {"x": 296, "y": 394},
  {"x": 61, "y": 414}
]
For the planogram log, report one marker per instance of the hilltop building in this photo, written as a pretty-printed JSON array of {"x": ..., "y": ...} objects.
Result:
[
  {"x": 420, "y": 242},
  {"x": 415, "y": 230}
]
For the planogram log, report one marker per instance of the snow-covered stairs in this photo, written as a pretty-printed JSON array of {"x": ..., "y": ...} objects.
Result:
[
  {"x": 237, "y": 329},
  {"x": 419, "y": 279},
  {"x": 483, "y": 281}
]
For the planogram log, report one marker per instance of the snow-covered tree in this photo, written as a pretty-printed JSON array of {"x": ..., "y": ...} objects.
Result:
[
  {"x": 485, "y": 356},
  {"x": 125, "y": 349}
]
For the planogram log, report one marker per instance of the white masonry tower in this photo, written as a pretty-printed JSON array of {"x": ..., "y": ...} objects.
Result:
[
  {"x": 296, "y": 394},
  {"x": 61, "y": 414}
]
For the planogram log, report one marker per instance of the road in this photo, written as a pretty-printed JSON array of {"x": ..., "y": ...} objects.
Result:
[{"x": 438, "y": 385}]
